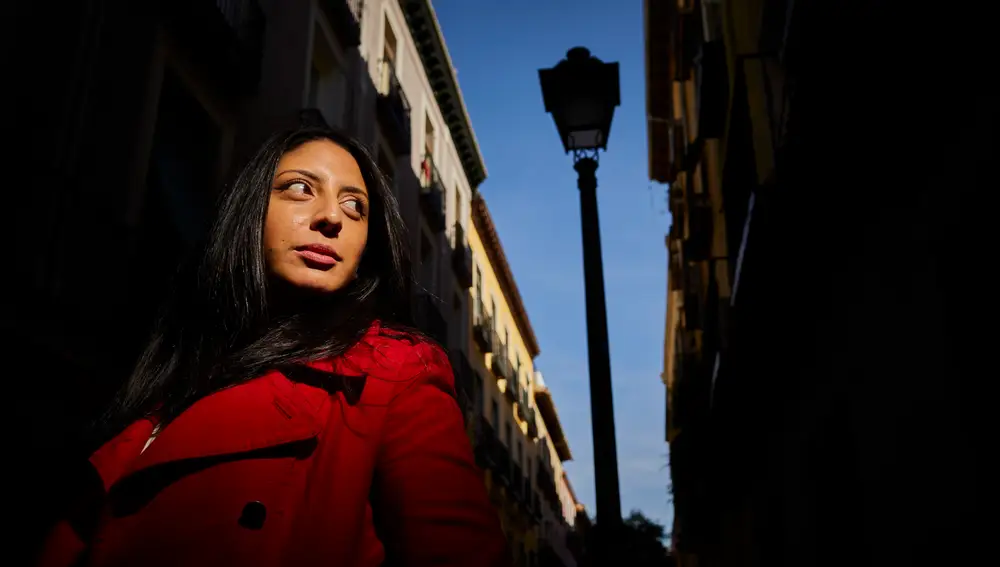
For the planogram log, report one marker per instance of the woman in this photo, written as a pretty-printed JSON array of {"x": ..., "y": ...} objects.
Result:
[{"x": 282, "y": 413}]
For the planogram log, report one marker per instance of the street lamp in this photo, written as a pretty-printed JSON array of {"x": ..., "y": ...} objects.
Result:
[{"x": 581, "y": 93}]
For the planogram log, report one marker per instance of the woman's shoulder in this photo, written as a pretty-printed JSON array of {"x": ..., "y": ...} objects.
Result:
[{"x": 391, "y": 351}]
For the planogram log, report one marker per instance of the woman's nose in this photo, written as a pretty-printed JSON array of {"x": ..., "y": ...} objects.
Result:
[{"x": 328, "y": 219}]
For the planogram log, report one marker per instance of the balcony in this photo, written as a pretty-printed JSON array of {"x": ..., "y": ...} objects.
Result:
[
  {"x": 429, "y": 319},
  {"x": 536, "y": 506},
  {"x": 713, "y": 89},
  {"x": 465, "y": 378},
  {"x": 461, "y": 258},
  {"x": 531, "y": 417},
  {"x": 345, "y": 17},
  {"x": 393, "y": 110},
  {"x": 432, "y": 195},
  {"x": 517, "y": 483},
  {"x": 482, "y": 330},
  {"x": 522, "y": 404},
  {"x": 513, "y": 388},
  {"x": 698, "y": 244},
  {"x": 486, "y": 438},
  {"x": 227, "y": 35},
  {"x": 501, "y": 366},
  {"x": 678, "y": 147},
  {"x": 544, "y": 479},
  {"x": 501, "y": 463}
]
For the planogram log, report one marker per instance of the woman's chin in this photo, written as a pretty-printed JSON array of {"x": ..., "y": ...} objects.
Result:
[{"x": 313, "y": 281}]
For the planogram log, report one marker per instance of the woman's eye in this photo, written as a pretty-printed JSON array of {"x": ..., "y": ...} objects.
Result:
[
  {"x": 297, "y": 187},
  {"x": 355, "y": 205}
]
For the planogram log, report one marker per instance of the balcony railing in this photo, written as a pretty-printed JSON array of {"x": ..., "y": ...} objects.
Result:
[
  {"x": 523, "y": 404},
  {"x": 713, "y": 86},
  {"x": 461, "y": 257},
  {"x": 517, "y": 483},
  {"x": 698, "y": 244},
  {"x": 501, "y": 463},
  {"x": 544, "y": 479},
  {"x": 513, "y": 387},
  {"x": 678, "y": 146},
  {"x": 393, "y": 109},
  {"x": 532, "y": 419},
  {"x": 482, "y": 330},
  {"x": 501, "y": 366},
  {"x": 345, "y": 17},
  {"x": 536, "y": 505},
  {"x": 432, "y": 194},
  {"x": 429, "y": 319},
  {"x": 486, "y": 438}
]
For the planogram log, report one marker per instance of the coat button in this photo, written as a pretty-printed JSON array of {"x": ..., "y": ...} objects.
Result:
[{"x": 254, "y": 514}]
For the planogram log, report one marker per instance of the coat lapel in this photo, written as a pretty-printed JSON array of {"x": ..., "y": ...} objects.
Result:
[
  {"x": 255, "y": 415},
  {"x": 276, "y": 409}
]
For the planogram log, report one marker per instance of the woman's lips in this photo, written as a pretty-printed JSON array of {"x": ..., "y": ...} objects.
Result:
[
  {"x": 318, "y": 254},
  {"x": 317, "y": 258}
]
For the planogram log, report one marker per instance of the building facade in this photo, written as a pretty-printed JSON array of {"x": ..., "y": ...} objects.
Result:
[
  {"x": 507, "y": 428},
  {"x": 558, "y": 527},
  {"x": 687, "y": 93},
  {"x": 805, "y": 328},
  {"x": 716, "y": 95},
  {"x": 518, "y": 438}
]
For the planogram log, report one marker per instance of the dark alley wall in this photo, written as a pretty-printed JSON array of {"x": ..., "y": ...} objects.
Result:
[
  {"x": 854, "y": 406},
  {"x": 91, "y": 251},
  {"x": 827, "y": 325}
]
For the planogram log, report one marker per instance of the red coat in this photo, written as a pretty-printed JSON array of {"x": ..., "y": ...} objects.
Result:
[{"x": 278, "y": 472}]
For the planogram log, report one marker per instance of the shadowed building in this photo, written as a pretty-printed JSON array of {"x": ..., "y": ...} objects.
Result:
[
  {"x": 151, "y": 106},
  {"x": 824, "y": 191}
]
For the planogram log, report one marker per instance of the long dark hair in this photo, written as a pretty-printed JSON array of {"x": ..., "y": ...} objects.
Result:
[{"x": 220, "y": 326}]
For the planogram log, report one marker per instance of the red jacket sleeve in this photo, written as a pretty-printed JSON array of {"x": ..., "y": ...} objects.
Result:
[{"x": 431, "y": 502}]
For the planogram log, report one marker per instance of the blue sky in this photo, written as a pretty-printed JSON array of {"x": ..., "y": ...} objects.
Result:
[{"x": 497, "y": 47}]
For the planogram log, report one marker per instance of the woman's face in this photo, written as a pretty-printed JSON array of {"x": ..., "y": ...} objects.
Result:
[{"x": 317, "y": 219}]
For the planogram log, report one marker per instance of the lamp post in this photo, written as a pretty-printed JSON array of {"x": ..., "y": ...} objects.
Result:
[{"x": 581, "y": 93}]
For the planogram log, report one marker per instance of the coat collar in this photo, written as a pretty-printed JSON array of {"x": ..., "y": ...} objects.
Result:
[{"x": 275, "y": 409}]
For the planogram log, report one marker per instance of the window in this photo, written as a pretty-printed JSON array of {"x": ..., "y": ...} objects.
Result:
[
  {"x": 428, "y": 136},
  {"x": 458, "y": 213},
  {"x": 388, "y": 67},
  {"x": 389, "y": 47},
  {"x": 328, "y": 89},
  {"x": 477, "y": 276}
]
